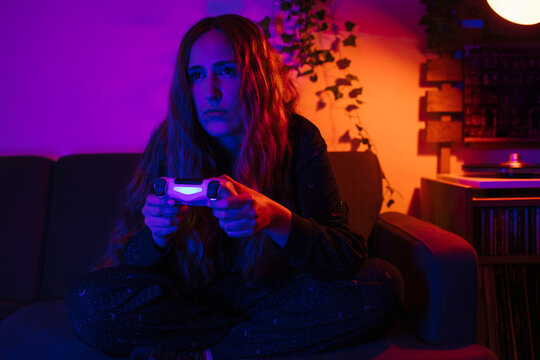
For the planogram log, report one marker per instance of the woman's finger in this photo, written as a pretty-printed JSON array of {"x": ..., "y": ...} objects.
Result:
[
  {"x": 238, "y": 225},
  {"x": 163, "y": 221},
  {"x": 243, "y": 212},
  {"x": 232, "y": 202}
]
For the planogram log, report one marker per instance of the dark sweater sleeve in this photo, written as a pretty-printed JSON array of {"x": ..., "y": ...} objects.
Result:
[
  {"x": 321, "y": 240},
  {"x": 141, "y": 250}
]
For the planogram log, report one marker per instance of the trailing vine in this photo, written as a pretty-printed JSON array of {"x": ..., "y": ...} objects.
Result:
[{"x": 308, "y": 37}]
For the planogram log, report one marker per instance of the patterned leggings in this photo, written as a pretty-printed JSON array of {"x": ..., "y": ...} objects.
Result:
[{"x": 122, "y": 308}]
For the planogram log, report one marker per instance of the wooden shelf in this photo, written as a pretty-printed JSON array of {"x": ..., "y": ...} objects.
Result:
[
  {"x": 509, "y": 259},
  {"x": 506, "y": 202}
]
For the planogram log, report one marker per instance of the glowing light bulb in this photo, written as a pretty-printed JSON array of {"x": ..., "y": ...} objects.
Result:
[{"x": 524, "y": 12}]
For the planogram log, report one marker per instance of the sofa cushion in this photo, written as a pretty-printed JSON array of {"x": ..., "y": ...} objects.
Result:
[
  {"x": 359, "y": 179},
  {"x": 25, "y": 184},
  {"x": 40, "y": 331},
  {"x": 85, "y": 204}
]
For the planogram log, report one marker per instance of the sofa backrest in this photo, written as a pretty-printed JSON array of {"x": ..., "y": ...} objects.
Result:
[
  {"x": 85, "y": 204},
  {"x": 24, "y": 181},
  {"x": 359, "y": 179}
]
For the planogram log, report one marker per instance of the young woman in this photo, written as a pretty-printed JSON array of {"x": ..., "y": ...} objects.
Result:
[{"x": 270, "y": 268}]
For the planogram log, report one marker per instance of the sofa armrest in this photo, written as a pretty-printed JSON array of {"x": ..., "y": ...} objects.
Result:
[{"x": 440, "y": 273}]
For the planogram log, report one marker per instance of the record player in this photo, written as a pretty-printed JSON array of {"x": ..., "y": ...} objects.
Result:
[{"x": 513, "y": 168}]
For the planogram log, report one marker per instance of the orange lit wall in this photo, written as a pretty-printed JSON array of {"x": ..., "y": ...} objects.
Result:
[{"x": 388, "y": 59}]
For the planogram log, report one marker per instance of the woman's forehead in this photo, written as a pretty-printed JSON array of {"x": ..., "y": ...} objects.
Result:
[{"x": 211, "y": 47}]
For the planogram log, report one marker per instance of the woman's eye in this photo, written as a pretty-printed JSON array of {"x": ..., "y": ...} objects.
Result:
[
  {"x": 227, "y": 71},
  {"x": 195, "y": 76}
]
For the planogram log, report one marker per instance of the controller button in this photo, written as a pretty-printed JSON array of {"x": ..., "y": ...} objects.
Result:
[
  {"x": 213, "y": 189},
  {"x": 159, "y": 187}
]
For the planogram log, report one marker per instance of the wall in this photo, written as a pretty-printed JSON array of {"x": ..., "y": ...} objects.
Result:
[{"x": 83, "y": 77}]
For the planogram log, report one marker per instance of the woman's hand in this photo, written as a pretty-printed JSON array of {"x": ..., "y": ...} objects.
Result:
[
  {"x": 242, "y": 212},
  {"x": 163, "y": 217}
]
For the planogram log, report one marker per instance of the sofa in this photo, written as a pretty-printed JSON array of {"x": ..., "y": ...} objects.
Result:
[{"x": 56, "y": 217}]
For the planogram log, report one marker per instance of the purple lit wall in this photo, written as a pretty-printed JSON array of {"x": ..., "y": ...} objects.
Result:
[{"x": 93, "y": 76}]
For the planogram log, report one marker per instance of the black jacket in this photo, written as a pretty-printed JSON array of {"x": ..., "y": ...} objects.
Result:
[{"x": 321, "y": 240}]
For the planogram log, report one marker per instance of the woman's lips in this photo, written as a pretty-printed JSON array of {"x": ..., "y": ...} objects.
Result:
[{"x": 215, "y": 113}]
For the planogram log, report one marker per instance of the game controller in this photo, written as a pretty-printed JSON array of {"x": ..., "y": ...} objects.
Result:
[{"x": 195, "y": 192}]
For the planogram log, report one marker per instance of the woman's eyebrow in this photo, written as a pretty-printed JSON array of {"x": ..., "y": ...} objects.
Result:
[
  {"x": 214, "y": 65},
  {"x": 222, "y": 63},
  {"x": 195, "y": 67}
]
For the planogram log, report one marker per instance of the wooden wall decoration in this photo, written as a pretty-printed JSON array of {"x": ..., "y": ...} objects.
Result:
[{"x": 486, "y": 72}]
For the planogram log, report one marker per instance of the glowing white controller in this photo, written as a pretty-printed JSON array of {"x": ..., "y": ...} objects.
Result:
[{"x": 187, "y": 191}]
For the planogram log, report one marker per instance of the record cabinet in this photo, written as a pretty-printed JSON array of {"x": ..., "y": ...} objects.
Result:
[{"x": 500, "y": 217}]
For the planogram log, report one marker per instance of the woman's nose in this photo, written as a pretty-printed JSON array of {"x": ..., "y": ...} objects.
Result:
[{"x": 213, "y": 91}]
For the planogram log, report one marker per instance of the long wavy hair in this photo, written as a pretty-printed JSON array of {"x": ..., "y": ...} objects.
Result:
[{"x": 180, "y": 147}]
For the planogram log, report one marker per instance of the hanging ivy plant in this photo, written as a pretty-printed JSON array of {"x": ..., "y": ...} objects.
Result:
[{"x": 308, "y": 37}]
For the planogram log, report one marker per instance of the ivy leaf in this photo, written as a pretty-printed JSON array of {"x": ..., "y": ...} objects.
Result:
[
  {"x": 343, "y": 63},
  {"x": 351, "y": 108},
  {"x": 324, "y": 27},
  {"x": 355, "y": 92},
  {"x": 335, "y": 45},
  {"x": 389, "y": 203},
  {"x": 349, "y": 25},
  {"x": 265, "y": 26},
  {"x": 286, "y": 5},
  {"x": 320, "y": 14},
  {"x": 366, "y": 142},
  {"x": 307, "y": 72},
  {"x": 289, "y": 49},
  {"x": 286, "y": 38},
  {"x": 352, "y": 77},
  {"x": 342, "y": 81},
  {"x": 355, "y": 144},
  {"x": 329, "y": 57},
  {"x": 350, "y": 41},
  {"x": 345, "y": 138},
  {"x": 313, "y": 78},
  {"x": 335, "y": 90}
]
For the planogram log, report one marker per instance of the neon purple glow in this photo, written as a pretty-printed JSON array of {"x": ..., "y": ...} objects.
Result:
[
  {"x": 92, "y": 76},
  {"x": 188, "y": 190}
]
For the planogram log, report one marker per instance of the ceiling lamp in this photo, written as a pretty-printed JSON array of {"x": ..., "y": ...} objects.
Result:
[{"x": 524, "y": 12}]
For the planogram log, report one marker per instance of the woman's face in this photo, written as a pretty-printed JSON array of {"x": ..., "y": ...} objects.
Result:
[{"x": 215, "y": 83}]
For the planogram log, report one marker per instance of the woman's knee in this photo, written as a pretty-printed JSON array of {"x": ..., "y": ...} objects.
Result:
[
  {"x": 96, "y": 302},
  {"x": 371, "y": 299},
  {"x": 86, "y": 303},
  {"x": 383, "y": 274}
]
